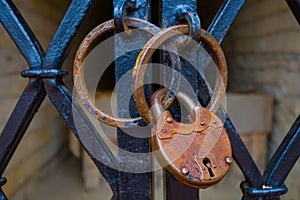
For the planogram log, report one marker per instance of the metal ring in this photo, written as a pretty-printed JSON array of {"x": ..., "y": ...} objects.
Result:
[
  {"x": 78, "y": 71},
  {"x": 146, "y": 53}
]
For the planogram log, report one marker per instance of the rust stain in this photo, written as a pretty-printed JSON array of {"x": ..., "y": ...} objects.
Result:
[
  {"x": 146, "y": 53},
  {"x": 78, "y": 70},
  {"x": 199, "y": 149}
]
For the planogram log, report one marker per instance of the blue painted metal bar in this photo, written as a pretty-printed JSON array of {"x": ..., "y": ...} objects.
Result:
[
  {"x": 130, "y": 186},
  {"x": 2, "y": 195},
  {"x": 33, "y": 94},
  {"x": 61, "y": 97},
  {"x": 21, "y": 34},
  {"x": 263, "y": 192},
  {"x": 19, "y": 121},
  {"x": 169, "y": 17},
  {"x": 224, "y": 18},
  {"x": 285, "y": 157},
  {"x": 295, "y": 8},
  {"x": 60, "y": 43},
  {"x": 219, "y": 28},
  {"x": 44, "y": 73},
  {"x": 242, "y": 156},
  {"x": 133, "y": 186}
]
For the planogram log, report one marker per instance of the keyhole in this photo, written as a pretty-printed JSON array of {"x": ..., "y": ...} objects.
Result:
[{"x": 207, "y": 164}]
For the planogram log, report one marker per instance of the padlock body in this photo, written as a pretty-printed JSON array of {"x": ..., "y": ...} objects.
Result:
[{"x": 197, "y": 154}]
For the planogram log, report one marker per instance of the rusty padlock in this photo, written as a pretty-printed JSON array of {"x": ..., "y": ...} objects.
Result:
[{"x": 197, "y": 154}]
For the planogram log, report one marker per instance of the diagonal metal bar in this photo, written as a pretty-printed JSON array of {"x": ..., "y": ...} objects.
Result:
[
  {"x": 224, "y": 18},
  {"x": 21, "y": 34},
  {"x": 287, "y": 153},
  {"x": 19, "y": 121},
  {"x": 33, "y": 94},
  {"x": 66, "y": 31},
  {"x": 242, "y": 157},
  {"x": 295, "y": 8},
  {"x": 62, "y": 99},
  {"x": 2, "y": 195},
  {"x": 285, "y": 157},
  {"x": 219, "y": 28}
]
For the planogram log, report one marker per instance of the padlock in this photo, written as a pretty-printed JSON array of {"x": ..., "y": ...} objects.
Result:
[{"x": 198, "y": 153}]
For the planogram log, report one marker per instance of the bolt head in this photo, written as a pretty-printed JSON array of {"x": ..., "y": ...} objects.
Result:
[
  {"x": 184, "y": 171},
  {"x": 228, "y": 160},
  {"x": 169, "y": 119}
]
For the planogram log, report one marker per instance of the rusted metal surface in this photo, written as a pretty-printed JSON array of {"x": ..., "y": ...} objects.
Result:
[
  {"x": 34, "y": 93},
  {"x": 269, "y": 186},
  {"x": 134, "y": 186},
  {"x": 188, "y": 149},
  {"x": 175, "y": 189},
  {"x": 154, "y": 43},
  {"x": 78, "y": 70}
]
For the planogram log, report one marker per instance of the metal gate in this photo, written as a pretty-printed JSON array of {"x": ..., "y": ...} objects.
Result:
[{"x": 45, "y": 75}]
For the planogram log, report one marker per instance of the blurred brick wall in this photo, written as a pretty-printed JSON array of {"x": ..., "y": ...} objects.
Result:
[
  {"x": 47, "y": 133},
  {"x": 263, "y": 50}
]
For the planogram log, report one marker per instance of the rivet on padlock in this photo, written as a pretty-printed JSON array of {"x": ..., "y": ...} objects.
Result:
[{"x": 198, "y": 153}]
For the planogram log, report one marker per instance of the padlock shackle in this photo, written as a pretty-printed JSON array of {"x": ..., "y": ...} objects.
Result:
[
  {"x": 156, "y": 102},
  {"x": 140, "y": 68}
]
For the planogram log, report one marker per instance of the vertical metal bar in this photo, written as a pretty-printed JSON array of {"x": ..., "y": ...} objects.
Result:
[
  {"x": 174, "y": 189},
  {"x": 177, "y": 191},
  {"x": 132, "y": 186}
]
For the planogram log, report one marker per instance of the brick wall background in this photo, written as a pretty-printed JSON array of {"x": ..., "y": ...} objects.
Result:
[
  {"x": 47, "y": 133},
  {"x": 263, "y": 53}
]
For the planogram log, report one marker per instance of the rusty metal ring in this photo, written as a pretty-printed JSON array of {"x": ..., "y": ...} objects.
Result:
[
  {"x": 154, "y": 43},
  {"x": 78, "y": 71}
]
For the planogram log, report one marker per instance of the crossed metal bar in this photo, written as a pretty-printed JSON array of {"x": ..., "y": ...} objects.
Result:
[
  {"x": 37, "y": 88},
  {"x": 45, "y": 78}
]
